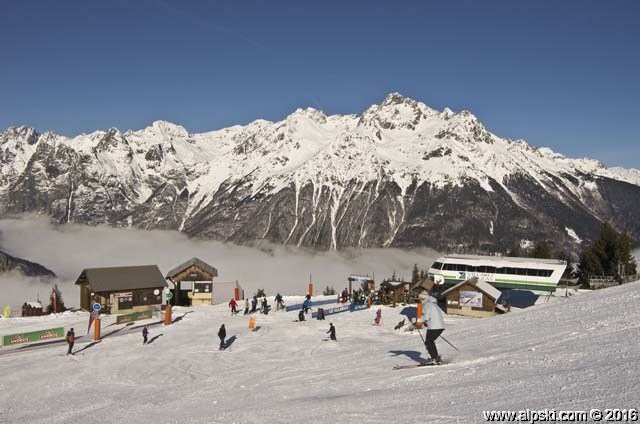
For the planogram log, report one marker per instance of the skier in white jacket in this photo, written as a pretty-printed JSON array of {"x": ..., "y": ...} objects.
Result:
[{"x": 432, "y": 317}]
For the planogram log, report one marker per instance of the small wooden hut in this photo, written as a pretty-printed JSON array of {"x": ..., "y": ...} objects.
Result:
[
  {"x": 393, "y": 292},
  {"x": 193, "y": 283},
  {"x": 473, "y": 297},
  {"x": 32, "y": 309},
  {"x": 121, "y": 289}
]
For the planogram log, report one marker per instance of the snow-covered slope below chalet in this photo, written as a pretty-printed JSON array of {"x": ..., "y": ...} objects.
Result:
[{"x": 400, "y": 174}]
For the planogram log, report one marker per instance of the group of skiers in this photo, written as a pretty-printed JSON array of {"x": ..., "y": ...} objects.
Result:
[
  {"x": 432, "y": 319},
  {"x": 264, "y": 305}
]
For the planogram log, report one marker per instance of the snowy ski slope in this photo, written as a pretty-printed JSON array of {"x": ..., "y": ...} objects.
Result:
[{"x": 578, "y": 352}]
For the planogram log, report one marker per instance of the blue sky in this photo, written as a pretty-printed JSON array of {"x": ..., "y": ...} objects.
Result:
[{"x": 563, "y": 74}]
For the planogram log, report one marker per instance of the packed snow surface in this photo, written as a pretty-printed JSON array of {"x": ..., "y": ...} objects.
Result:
[{"x": 572, "y": 353}]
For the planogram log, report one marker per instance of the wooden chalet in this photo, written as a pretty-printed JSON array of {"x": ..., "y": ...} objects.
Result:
[
  {"x": 32, "y": 309},
  {"x": 121, "y": 289},
  {"x": 426, "y": 284},
  {"x": 193, "y": 283},
  {"x": 473, "y": 297},
  {"x": 393, "y": 292}
]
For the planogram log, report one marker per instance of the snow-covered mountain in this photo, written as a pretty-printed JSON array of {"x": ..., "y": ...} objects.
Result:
[{"x": 400, "y": 174}]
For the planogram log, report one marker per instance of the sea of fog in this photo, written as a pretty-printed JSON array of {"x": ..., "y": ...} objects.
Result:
[{"x": 68, "y": 249}]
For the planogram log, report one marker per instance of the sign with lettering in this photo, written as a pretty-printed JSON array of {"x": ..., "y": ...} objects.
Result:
[
  {"x": 33, "y": 336},
  {"x": 136, "y": 316}
]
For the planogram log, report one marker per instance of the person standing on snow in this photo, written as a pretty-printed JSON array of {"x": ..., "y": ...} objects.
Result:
[
  {"x": 279, "y": 302},
  {"x": 222, "y": 333},
  {"x": 254, "y": 304},
  {"x": 145, "y": 334},
  {"x": 233, "y": 305},
  {"x": 301, "y": 315},
  {"x": 306, "y": 304},
  {"x": 432, "y": 317},
  {"x": 246, "y": 306},
  {"x": 332, "y": 332},
  {"x": 378, "y": 317},
  {"x": 71, "y": 338}
]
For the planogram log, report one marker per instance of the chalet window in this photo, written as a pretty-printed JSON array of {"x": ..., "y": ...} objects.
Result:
[
  {"x": 146, "y": 297},
  {"x": 202, "y": 288},
  {"x": 125, "y": 302}
]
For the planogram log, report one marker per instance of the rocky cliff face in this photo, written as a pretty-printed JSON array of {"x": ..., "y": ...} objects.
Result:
[{"x": 401, "y": 174}]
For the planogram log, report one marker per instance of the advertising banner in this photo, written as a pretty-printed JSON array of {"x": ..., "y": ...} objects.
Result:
[
  {"x": 471, "y": 298},
  {"x": 32, "y": 337},
  {"x": 136, "y": 316}
]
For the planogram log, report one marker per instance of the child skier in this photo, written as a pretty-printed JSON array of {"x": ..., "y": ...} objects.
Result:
[
  {"x": 246, "y": 306},
  {"x": 233, "y": 305},
  {"x": 71, "y": 338},
  {"x": 301, "y": 315},
  {"x": 306, "y": 304},
  {"x": 378, "y": 317},
  {"x": 145, "y": 334},
  {"x": 433, "y": 319}
]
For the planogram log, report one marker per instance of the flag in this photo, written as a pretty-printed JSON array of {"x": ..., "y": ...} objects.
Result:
[{"x": 93, "y": 316}]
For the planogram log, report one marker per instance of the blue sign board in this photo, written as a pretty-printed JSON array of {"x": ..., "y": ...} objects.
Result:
[{"x": 96, "y": 307}]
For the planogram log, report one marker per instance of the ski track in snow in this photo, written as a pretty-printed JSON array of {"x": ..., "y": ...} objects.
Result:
[{"x": 574, "y": 353}]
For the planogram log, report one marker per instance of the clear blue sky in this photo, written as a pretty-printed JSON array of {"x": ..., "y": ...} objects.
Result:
[{"x": 563, "y": 74}]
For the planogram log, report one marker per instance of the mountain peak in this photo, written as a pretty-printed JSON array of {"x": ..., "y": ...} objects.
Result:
[{"x": 396, "y": 99}]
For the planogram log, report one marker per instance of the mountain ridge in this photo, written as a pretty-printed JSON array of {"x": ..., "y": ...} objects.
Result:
[{"x": 400, "y": 174}]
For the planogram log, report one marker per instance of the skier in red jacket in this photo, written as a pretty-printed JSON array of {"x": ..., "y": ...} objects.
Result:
[{"x": 233, "y": 305}]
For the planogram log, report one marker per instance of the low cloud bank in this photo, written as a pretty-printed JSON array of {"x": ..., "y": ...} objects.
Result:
[{"x": 68, "y": 249}]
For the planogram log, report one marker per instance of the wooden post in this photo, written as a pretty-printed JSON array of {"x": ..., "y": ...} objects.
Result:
[
  {"x": 418, "y": 315},
  {"x": 96, "y": 329},
  {"x": 167, "y": 314},
  {"x": 310, "y": 289},
  {"x": 236, "y": 293}
]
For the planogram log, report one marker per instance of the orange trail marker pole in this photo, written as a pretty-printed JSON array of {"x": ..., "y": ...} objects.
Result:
[{"x": 96, "y": 329}]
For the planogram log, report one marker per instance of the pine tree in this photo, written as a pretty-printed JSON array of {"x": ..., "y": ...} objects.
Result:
[
  {"x": 541, "y": 250},
  {"x": 609, "y": 255},
  {"x": 59, "y": 302},
  {"x": 626, "y": 261},
  {"x": 590, "y": 264},
  {"x": 514, "y": 252},
  {"x": 415, "y": 275}
]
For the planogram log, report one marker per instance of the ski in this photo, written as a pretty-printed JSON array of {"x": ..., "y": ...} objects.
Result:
[{"x": 408, "y": 367}]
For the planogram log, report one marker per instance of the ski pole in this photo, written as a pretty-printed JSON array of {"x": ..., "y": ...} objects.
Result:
[
  {"x": 449, "y": 343},
  {"x": 442, "y": 337}
]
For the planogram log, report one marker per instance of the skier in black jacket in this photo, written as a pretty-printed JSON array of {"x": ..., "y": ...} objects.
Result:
[
  {"x": 71, "y": 338},
  {"x": 222, "y": 333},
  {"x": 332, "y": 331}
]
